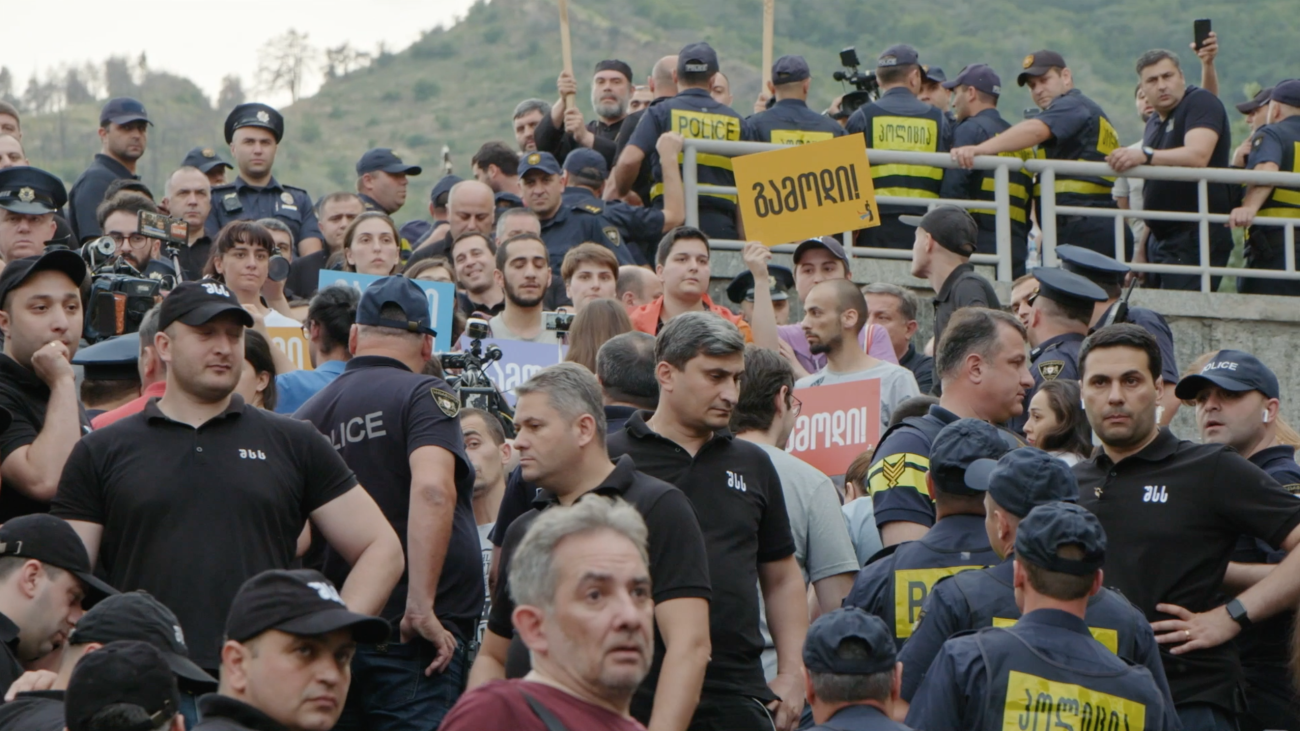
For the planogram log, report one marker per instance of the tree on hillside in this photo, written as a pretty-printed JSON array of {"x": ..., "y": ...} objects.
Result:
[
  {"x": 119, "y": 77},
  {"x": 77, "y": 86},
  {"x": 343, "y": 60},
  {"x": 232, "y": 93},
  {"x": 284, "y": 62},
  {"x": 7, "y": 86}
]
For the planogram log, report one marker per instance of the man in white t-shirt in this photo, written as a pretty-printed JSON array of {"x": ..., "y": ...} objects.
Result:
[
  {"x": 524, "y": 272},
  {"x": 489, "y": 453}
]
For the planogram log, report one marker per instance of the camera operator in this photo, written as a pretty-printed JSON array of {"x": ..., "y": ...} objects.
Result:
[
  {"x": 28, "y": 199},
  {"x": 189, "y": 197},
  {"x": 524, "y": 271},
  {"x": 119, "y": 219}
]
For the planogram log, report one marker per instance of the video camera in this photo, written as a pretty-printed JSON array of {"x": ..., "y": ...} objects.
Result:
[
  {"x": 867, "y": 87},
  {"x": 559, "y": 321},
  {"x": 474, "y": 388},
  {"x": 120, "y": 294}
]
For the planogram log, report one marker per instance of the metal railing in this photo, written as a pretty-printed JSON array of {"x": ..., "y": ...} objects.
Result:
[{"x": 1046, "y": 172}]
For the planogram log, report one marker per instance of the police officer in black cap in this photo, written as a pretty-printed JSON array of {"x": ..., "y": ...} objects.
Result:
[
  {"x": 208, "y": 162},
  {"x": 253, "y": 132},
  {"x": 1256, "y": 111},
  {"x": 1274, "y": 150},
  {"x": 900, "y": 121},
  {"x": 30, "y": 198},
  {"x": 641, "y": 227},
  {"x": 789, "y": 121},
  {"x": 111, "y": 373},
  {"x": 894, "y": 583},
  {"x": 975, "y": 94},
  {"x": 438, "y": 199},
  {"x": 851, "y": 672},
  {"x": 382, "y": 180},
  {"x": 779, "y": 283},
  {"x": 997, "y": 677},
  {"x": 125, "y": 685},
  {"x": 936, "y": 94},
  {"x": 610, "y": 94},
  {"x": 123, "y": 133}
]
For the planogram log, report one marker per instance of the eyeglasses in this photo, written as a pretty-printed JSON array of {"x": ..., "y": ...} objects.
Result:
[
  {"x": 796, "y": 405},
  {"x": 1031, "y": 299},
  {"x": 135, "y": 241}
]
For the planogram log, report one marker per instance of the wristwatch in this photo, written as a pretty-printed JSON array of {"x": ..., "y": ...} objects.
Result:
[
  {"x": 1237, "y": 611},
  {"x": 1150, "y": 153}
]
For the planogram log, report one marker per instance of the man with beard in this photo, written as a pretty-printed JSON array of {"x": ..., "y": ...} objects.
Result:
[
  {"x": 123, "y": 134},
  {"x": 119, "y": 219},
  {"x": 525, "y": 274},
  {"x": 528, "y": 114},
  {"x": 563, "y": 131}
]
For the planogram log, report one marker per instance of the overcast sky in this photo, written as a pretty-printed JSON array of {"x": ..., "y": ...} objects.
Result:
[{"x": 205, "y": 40}]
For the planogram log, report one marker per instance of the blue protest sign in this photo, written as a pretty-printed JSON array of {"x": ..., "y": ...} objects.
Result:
[
  {"x": 442, "y": 299},
  {"x": 520, "y": 359}
]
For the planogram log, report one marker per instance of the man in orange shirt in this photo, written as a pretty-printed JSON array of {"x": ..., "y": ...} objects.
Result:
[{"x": 682, "y": 264}]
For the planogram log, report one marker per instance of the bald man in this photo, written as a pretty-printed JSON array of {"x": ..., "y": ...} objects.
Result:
[
  {"x": 637, "y": 286},
  {"x": 470, "y": 207},
  {"x": 639, "y": 178}
]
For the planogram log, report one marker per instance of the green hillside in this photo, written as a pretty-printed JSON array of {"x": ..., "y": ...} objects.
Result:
[{"x": 457, "y": 86}]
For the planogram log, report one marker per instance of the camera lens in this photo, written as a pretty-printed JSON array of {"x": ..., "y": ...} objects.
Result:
[{"x": 278, "y": 269}]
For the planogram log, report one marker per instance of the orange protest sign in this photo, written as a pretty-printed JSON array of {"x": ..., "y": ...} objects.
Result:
[
  {"x": 836, "y": 424},
  {"x": 815, "y": 189},
  {"x": 293, "y": 342}
]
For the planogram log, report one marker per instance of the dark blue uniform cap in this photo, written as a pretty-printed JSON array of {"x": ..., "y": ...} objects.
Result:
[
  {"x": 697, "y": 58},
  {"x": 1047, "y": 528},
  {"x": 1022, "y": 479},
  {"x": 543, "y": 161},
  {"x": 829, "y": 243},
  {"x": 780, "y": 280},
  {"x": 1231, "y": 370},
  {"x": 587, "y": 163},
  {"x": 111, "y": 360},
  {"x": 959, "y": 445},
  {"x": 826, "y": 634},
  {"x": 442, "y": 189},
  {"x": 205, "y": 159},
  {"x": 57, "y": 260},
  {"x": 122, "y": 110},
  {"x": 934, "y": 73},
  {"x": 1039, "y": 63},
  {"x": 31, "y": 191},
  {"x": 1094, "y": 266},
  {"x": 1287, "y": 92},
  {"x": 1260, "y": 100},
  {"x": 613, "y": 64},
  {"x": 899, "y": 54},
  {"x": 383, "y": 159},
  {"x": 254, "y": 114},
  {"x": 977, "y": 76},
  {"x": 789, "y": 69},
  {"x": 400, "y": 291},
  {"x": 1067, "y": 288}
]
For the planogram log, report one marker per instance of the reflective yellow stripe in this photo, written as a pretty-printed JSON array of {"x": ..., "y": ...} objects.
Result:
[
  {"x": 1107, "y": 637},
  {"x": 704, "y": 158},
  {"x": 1107, "y": 138},
  {"x": 911, "y": 171},
  {"x": 911, "y": 587},
  {"x": 1016, "y": 190},
  {"x": 907, "y": 192},
  {"x": 1282, "y": 195},
  {"x": 1031, "y": 699},
  {"x": 1279, "y": 213},
  {"x": 1082, "y": 186},
  {"x": 899, "y": 470},
  {"x": 657, "y": 190},
  {"x": 798, "y": 137},
  {"x": 1017, "y": 214}
]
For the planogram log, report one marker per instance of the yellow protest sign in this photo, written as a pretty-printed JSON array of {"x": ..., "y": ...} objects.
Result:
[
  {"x": 815, "y": 189},
  {"x": 293, "y": 342}
]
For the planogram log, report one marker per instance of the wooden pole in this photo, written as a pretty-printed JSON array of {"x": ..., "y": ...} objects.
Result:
[
  {"x": 769, "y": 21},
  {"x": 566, "y": 48}
]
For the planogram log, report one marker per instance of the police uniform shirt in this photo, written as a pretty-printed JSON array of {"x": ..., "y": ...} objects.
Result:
[
  {"x": 1080, "y": 131},
  {"x": 860, "y": 717},
  {"x": 1169, "y": 514},
  {"x": 26, "y": 397},
  {"x": 641, "y": 226},
  {"x": 997, "y": 678},
  {"x": 921, "y": 366},
  {"x": 223, "y": 713},
  {"x": 896, "y": 477},
  {"x": 38, "y": 710},
  {"x": 738, "y": 498},
  {"x": 963, "y": 288},
  {"x": 900, "y": 121},
  {"x": 1199, "y": 109},
  {"x": 194, "y": 258},
  {"x": 430, "y": 249},
  {"x": 694, "y": 115},
  {"x": 571, "y": 225},
  {"x": 88, "y": 192},
  {"x": 791, "y": 122},
  {"x": 239, "y": 201},
  {"x": 1055, "y": 358},
  {"x": 678, "y": 561},
  {"x": 644, "y": 177},
  {"x": 894, "y": 587},
  {"x": 959, "y": 183},
  {"x": 189, "y": 514},
  {"x": 1277, "y": 143},
  {"x": 1154, "y": 323}
]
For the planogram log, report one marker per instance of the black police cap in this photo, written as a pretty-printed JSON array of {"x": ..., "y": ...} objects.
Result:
[
  {"x": 934, "y": 74},
  {"x": 205, "y": 159},
  {"x": 122, "y": 110},
  {"x": 1067, "y": 288},
  {"x": 442, "y": 188},
  {"x": 1231, "y": 370},
  {"x": 121, "y": 673},
  {"x": 1047, "y": 528},
  {"x": 254, "y": 114},
  {"x": 406, "y": 295},
  {"x": 780, "y": 280},
  {"x": 1039, "y": 63},
  {"x": 300, "y": 602},
  {"x": 1256, "y": 102},
  {"x": 977, "y": 76},
  {"x": 137, "y": 616},
  {"x": 31, "y": 191},
  {"x": 1022, "y": 479},
  {"x": 115, "y": 359},
  {"x": 586, "y": 163},
  {"x": 829, "y": 631},
  {"x": 613, "y": 64},
  {"x": 51, "y": 540},
  {"x": 385, "y": 160},
  {"x": 16, "y": 273},
  {"x": 196, "y": 303},
  {"x": 951, "y": 226},
  {"x": 1286, "y": 92},
  {"x": 543, "y": 161},
  {"x": 958, "y": 446},
  {"x": 789, "y": 69},
  {"x": 899, "y": 54},
  {"x": 697, "y": 58},
  {"x": 1099, "y": 268}
]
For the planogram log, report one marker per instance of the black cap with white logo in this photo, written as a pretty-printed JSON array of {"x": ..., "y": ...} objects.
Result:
[
  {"x": 300, "y": 602},
  {"x": 51, "y": 540},
  {"x": 138, "y": 616}
]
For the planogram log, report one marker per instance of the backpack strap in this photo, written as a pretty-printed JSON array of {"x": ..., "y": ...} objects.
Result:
[{"x": 547, "y": 718}]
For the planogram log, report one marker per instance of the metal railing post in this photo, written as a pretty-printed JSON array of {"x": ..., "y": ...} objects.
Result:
[
  {"x": 1002, "y": 222},
  {"x": 1120, "y": 224},
  {"x": 690, "y": 184},
  {"x": 1288, "y": 240},
  {"x": 1047, "y": 249},
  {"x": 1202, "y": 212}
]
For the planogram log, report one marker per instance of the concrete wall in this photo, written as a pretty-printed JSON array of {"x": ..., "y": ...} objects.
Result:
[{"x": 1268, "y": 327}]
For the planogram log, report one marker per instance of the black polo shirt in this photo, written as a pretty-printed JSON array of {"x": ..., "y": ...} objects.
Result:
[
  {"x": 190, "y": 514},
  {"x": 10, "y": 668},
  {"x": 1173, "y": 513},
  {"x": 963, "y": 288},
  {"x": 194, "y": 257},
  {"x": 223, "y": 713},
  {"x": 1199, "y": 109},
  {"x": 40, "y": 710},
  {"x": 738, "y": 499},
  {"x": 376, "y": 414},
  {"x": 921, "y": 366},
  {"x": 471, "y": 308},
  {"x": 678, "y": 561},
  {"x": 26, "y": 396},
  {"x": 87, "y": 193}
]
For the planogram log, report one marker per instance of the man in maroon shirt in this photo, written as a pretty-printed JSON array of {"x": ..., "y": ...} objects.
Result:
[{"x": 581, "y": 583}]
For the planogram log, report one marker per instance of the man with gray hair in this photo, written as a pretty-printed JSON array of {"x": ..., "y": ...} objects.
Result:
[
  {"x": 515, "y": 221},
  {"x": 189, "y": 197},
  {"x": 851, "y": 672},
  {"x": 528, "y": 114},
  {"x": 894, "y": 308},
  {"x": 588, "y": 656},
  {"x": 625, "y": 365},
  {"x": 560, "y": 439},
  {"x": 737, "y": 494}
]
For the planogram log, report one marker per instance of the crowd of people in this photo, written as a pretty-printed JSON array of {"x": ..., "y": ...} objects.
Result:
[{"x": 199, "y": 531}]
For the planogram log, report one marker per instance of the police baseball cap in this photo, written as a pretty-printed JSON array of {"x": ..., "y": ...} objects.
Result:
[
  {"x": 543, "y": 161},
  {"x": 254, "y": 114},
  {"x": 137, "y": 616},
  {"x": 934, "y": 74},
  {"x": 899, "y": 54},
  {"x": 1097, "y": 267},
  {"x": 300, "y": 602},
  {"x": 1287, "y": 92},
  {"x": 31, "y": 191},
  {"x": 56, "y": 260},
  {"x": 402, "y": 292},
  {"x": 205, "y": 159},
  {"x": 613, "y": 64},
  {"x": 829, "y": 243},
  {"x": 122, "y": 110},
  {"x": 384, "y": 160},
  {"x": 1067, "y": 288},
  {"x": 1047, "y": 528},
  {"x": 1022, "y": 479},
  {"x": 789, "y": 69},
  {"x": 829, "y": 631},
  {"x": 196, "y": 303},
  {"x": 697, "y": 58},
  {"x": 978, "y": 76},
  {"x": 586, "y": 163},
  {"x": 114, "y": 359},
  {"x": 951, "y": 226},
  {"x": 121, "y": 673},
  {"x": 1039, "y": 63},
  {"x": 780, "y": 279},
  {"x": 51, "y": 540},
  {"x": 1231, "y": 370},
  {"x": 959, "y": 445},
  {"x": 1258, "y": 101},
  {"x": 442, "y": 190}
]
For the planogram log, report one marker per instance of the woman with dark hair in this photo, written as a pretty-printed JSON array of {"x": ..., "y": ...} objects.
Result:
[
  {"x": 433, "y": 269},
  {"x": 240, "y": 259},
  {"x": 1057, "y": 423},
  {"x": 595, "y": 324},
  {"x": 372, "y": 245},
  {"x": 257, "y": 379}
]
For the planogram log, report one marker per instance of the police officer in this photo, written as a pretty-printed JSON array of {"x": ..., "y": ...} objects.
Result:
[
  {"x": 29, "y": 198},
  {"x": 894, "y": 583},
  {"x": 639, "y": 226},
  {"x": 975, "y": 94},
  {"x": 900, "y": 121},
  {"x": 936, "y": 94},
  {"x": 1274, "y": 150},
  {"x": 253, "y": 132},
  {"x": 789, "y": 121},
  {"x": 780, "y": 281},
  {"x": 1014, "y": 485},
  {"x": 849, "y": 648},
  {"x": 209, "y": 163},
  {"x": 693, "y": 114},
  {"x": 112, "y": 376},
  {"x": 997, "y": 677},
  {"x": 123, "y": 133},
  {"x": 1070, "y": 127},
  {"x": 382, "y": 180}
]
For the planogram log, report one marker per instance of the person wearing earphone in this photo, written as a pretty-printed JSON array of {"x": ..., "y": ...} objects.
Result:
[{"x": 1237, "y": 404}]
